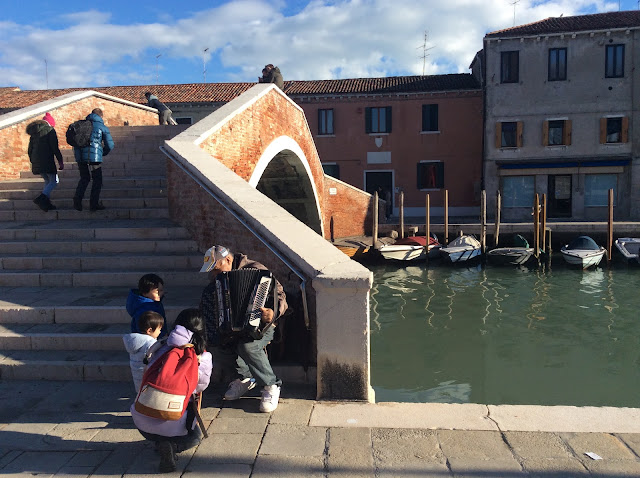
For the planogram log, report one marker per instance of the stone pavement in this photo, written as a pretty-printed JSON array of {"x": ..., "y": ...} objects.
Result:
[{"x": 83, "y": 429}]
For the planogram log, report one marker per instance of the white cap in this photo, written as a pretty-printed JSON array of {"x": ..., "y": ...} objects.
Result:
[{"x": 212, "y": 256}]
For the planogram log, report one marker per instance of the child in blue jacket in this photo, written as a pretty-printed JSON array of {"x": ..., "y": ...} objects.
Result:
[{"x": 148, "y": 296}]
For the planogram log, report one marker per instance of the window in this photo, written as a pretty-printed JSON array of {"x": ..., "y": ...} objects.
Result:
[
  {"x": 430, "y": 175},
  {"x": 332, "y": 170},
  {"x": 614, "y": 130},
  {"x": 596, "y": 189},
  {"x": 518, "y": 191},
  {"x": 509, "y": 134},
  {"x": 557, "y": 64},
  {"x": 509, "y": 67},
  {"x": 325, "y": 121},
  {"x": 184, "y": 120},
  {"x": 556, "y": 132},
  {"x": 378, "y": 120},
  {"x": 614, "y": 61},
  {"x": 429, "y": 117}
]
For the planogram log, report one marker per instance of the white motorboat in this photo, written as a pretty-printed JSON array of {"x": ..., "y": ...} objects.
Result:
[
  {"x": 629, "y": 247},
  {"x": 462, "y": 249},
  {"x": 410, "y": 249},
  {"x": 583, "y": 251}
]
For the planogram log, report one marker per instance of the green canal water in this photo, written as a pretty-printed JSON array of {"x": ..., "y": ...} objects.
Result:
[{"x": 538, "y": 336}]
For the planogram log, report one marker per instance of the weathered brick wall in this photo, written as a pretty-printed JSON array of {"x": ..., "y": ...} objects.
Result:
[
  {"x": 14, "y": 140},
  {"x": 240, "y": 143}
]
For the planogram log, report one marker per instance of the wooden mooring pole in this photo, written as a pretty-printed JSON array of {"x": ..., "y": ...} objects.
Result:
[
  {"x": 401, "y": 200},
  {"x": 483, "y": 220},
  {"x": 374, "y": 240},
  {"x": 610, "y": 227},
  {"x": 496, "y": 232},
  {"x": 536, "y": 226},
  {"x": 446, "y": 217},
  {"x": 427, "y": 226},
  {"x": 544, "y": 222}
]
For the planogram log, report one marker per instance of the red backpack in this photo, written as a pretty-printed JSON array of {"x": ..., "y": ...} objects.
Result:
[{"x": 168, "y": 384}]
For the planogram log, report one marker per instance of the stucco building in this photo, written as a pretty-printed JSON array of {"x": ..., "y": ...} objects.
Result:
[{"x": 561, "y": 101}]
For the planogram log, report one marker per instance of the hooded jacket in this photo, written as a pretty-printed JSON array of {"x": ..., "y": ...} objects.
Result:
[
  {"x": 276, "y": 77},
  {"x": 137, "y": 346},
  {"x": 154, "y": 102},
  {"x": 43, "y": 147},
  {"x": 173, "y": 428},
  {"x": 100, "y": 143},
  {"x": 137, "y": 304}
]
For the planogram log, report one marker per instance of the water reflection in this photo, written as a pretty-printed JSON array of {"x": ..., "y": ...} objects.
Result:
[{"x": 495, "y": 335}]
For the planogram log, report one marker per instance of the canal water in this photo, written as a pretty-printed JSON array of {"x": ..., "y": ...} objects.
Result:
[{"x": 552, "y": 335}]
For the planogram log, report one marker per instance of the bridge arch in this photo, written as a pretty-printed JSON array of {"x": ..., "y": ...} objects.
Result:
[{"x": 282, "y": 173}]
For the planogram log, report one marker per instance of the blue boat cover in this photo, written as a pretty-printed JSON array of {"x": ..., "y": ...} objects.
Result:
[{"x": 583, "y": 243}]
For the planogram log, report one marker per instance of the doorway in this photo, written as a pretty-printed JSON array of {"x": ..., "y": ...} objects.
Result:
[
  {"x": 383, "y": 180},
  {"x": 559, "y": 195}
]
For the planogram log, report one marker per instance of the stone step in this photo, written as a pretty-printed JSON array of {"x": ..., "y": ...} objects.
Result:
[
  {"x": 65, "y": 201},
  {"x": 102, "y": 365},
  {"x": 96, "y": 336},
  {"x": 65, "y": 278},
  {"x": 107, "y": 172},
  {"x": 99, "y": 247},
  {"x": 64, "y": 192},
  {"x": 72, "y": 214},
  {"x": 93, "y": 228},
  {"x": 35, "y": 183},
  {"x": 119, "y": 261}
]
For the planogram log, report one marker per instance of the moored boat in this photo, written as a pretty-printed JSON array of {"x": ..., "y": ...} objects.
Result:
[
  {"x": 629, "y": 247},
  {"x": 518, "y": 254},
  {"x": 410, "y": 248},
  {"x": 583, "y": 251},
  {"x": 462, "y": 249}
]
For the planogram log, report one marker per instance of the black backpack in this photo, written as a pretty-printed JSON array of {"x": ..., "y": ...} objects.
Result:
[{"x": 79, "y": 133}]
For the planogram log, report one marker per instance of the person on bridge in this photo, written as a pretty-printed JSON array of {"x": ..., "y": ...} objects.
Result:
[
  {"x": 164, "y": 113},
  {"x": 90, "y": 158},
  {"x": 43, "y": 148},
  {"x": 239, "y": 356},
  {"x": 271, "y": 74}
]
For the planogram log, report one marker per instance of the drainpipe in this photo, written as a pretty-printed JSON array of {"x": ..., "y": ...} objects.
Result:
[{"x": 303, "y": 281}]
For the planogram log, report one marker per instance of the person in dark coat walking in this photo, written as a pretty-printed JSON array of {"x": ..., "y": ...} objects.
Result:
[
  {"x": 164, "y": 113},
  {"x": 90, "y": 158},
  {"x": 43, "y": 150}
]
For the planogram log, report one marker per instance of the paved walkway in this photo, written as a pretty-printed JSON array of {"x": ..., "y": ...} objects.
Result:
[{"x": 83, "y": 429}]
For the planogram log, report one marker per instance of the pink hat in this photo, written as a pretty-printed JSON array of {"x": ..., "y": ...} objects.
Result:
[{"x": 49, "y": 119}]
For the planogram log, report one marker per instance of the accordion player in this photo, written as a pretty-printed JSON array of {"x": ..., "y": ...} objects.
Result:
[{"x": 239, "y": 295}]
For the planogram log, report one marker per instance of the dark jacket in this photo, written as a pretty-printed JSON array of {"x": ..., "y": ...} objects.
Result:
[
  {"x": 154, "y": 102},
  {"x": 137, "y": 304},
  {"x": 209, "y": 300},
  {"x": 275, "y": 76},
  {"x": 101, "y": 143},
  {"x": 43, "y": 146}
]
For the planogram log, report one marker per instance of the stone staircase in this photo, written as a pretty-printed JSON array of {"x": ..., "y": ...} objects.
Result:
[{"x": 65, "y": 274}]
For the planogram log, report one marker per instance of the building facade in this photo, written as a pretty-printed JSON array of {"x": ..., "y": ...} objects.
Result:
[{"x": 561, "y": 101}]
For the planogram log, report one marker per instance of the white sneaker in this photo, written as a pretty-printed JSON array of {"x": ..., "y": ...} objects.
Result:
[
  {"x": 238, "y": 388},
  {"x": 270, "y": 397}
]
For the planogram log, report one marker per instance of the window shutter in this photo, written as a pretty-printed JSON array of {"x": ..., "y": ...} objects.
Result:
[
  {"x": 388, "y": 113},
  {"x": 320, "y": 125},
  {"x": 624, "y": 134},
  {"x": 434, "y": 118},
  {"x": 519, "y": 129},
  {"x": 603, "y": 130},
  {"x": 545, "y": 133},
  {"x": 566, "y": 140},
  {"x": 498, "y": 135},
  {"x": 367, "y": 120},
  {"x": 425, "y": 119}
]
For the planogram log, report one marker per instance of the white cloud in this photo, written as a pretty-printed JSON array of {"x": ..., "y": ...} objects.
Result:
[{"x": 326, "y": 39}]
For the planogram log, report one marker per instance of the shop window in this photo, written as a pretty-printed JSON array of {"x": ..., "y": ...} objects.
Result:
[
  {"x": 430, "y": 175},
  {"x": 596, "y": 189},
  {"x": 378, "y": 120},
  {"x": 518, "y": 191}
]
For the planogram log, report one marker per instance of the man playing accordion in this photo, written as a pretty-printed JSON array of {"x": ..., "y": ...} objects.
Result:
[{"x": 241, "y": 355}]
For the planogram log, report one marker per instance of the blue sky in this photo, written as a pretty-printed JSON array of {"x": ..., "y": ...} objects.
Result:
[{"x": 71, "y": 43}]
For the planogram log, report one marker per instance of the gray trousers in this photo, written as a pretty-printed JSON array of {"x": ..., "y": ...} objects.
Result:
[
  {"x": 163, "y": 116},
  {"x": 247, "y": 360}
]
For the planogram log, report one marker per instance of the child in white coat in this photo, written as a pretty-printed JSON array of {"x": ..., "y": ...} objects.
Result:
[{"x": 137, "y": 344}]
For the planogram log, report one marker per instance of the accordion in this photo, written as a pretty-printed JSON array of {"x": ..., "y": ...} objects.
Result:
[{"x": 240, "y": 295}]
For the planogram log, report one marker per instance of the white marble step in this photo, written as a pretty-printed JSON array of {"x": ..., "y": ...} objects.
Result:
[{"x": 114, "y": 278}]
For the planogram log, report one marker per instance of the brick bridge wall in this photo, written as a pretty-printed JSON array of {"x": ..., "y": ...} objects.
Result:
[
  {"x": 240, "y": 142},
  {"x": 14, "y": 140}
]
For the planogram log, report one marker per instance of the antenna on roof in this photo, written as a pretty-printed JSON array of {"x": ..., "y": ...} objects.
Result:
[
  {"x": 204, "y": 64},
  {"x": 514, "y": 3},
  {"x": 157, "y": 56},
  {"x": 425, "y": 50},
  {"x": 46, "y": 72}
]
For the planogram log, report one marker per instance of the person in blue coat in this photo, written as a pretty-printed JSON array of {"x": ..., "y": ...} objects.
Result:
[{"x": 89, "y": 161}]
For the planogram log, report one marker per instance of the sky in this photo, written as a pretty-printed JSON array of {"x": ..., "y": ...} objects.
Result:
[{"x": 67, "y": 43}]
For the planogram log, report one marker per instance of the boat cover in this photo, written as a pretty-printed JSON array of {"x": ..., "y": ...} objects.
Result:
[
  {"x": 584, "y": 243},
  {"x": 465, "y": 241}
]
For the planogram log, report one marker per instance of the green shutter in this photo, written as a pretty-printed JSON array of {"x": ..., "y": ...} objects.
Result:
[
  {"x": 388, "y": 114},
  {"x": 367, "y": 120}
]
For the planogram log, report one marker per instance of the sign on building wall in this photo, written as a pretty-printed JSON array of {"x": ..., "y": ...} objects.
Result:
[{"x": 383, "y": 157}]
